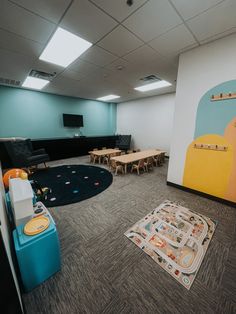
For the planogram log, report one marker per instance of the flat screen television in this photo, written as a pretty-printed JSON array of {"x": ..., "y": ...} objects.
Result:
[{"x": 73, "y": 120}]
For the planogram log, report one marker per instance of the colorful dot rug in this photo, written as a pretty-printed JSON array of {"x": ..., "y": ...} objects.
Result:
[
  {"x": 72, "y": 183},
  {"x": 176, "y": 238}
]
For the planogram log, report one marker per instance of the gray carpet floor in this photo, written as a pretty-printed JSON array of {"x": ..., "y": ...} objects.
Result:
[{"x": 104, "y": 272}]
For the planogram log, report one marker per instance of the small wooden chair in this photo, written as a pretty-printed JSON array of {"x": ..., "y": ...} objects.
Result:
[
  {"x": 116, "y": 167},
  {"x": 162, "y": 158},
  {"x": 148, "y": 163},
  {"x": 106, "y": 159},
  {"x": 138, "y": 166},
  {"x": 103, "y": 158},
  {"x": 157, "y": 160},
  {"x": 94, "y": 158}
]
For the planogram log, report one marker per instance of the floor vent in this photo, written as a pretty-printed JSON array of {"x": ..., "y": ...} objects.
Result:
[{"x": 9, "y": 82}]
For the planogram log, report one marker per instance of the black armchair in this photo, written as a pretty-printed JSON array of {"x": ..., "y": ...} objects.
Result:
[
  {"x": 40, "y": 151},
  {"x": 22, "y": 154},
  {"x": 123, "y": 142}
]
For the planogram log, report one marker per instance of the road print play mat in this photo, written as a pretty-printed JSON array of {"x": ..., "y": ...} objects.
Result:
[{"x": 176, "y": 238}]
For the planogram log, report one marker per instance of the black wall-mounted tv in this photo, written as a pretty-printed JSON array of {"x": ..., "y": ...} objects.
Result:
[{"x": 73, "y": 120}]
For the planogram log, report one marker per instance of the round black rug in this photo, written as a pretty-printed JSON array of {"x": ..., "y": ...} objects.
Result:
[{"x": 72, "y": 183}]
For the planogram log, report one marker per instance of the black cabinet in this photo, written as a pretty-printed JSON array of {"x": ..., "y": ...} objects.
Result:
[
  {"x": 9, "y": 299},
  {"x": 60, "y": 148}
]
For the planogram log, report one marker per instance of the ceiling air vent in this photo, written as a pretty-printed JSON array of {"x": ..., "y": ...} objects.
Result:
[
  {"x": 42, "y": 75},
  {"x": 150, "y": 78},
  {"x": 9, "y": 82}
]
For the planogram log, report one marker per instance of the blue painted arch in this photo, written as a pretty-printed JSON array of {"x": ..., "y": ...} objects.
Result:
[{"x": 213, "y": 116}]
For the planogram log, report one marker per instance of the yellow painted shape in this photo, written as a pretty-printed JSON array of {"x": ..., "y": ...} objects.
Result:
[
  {"x": 208, "y": 170},
  {"x": 230, "y": 136}
]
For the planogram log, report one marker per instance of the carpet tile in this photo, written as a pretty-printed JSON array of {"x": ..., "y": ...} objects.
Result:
[{"x": 104, "y": 272}]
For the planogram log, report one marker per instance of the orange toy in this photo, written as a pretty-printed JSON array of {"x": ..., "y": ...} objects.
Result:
[{"x": 14, "y": 173}]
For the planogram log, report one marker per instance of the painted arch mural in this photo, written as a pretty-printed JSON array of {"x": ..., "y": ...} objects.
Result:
[{"x": 210, "y": 164}]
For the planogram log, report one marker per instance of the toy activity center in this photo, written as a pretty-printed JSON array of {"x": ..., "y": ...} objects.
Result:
[{"x": 117, "y": 156}]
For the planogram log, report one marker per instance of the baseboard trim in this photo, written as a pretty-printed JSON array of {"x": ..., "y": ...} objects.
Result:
[{"x": 211, "y": 197}]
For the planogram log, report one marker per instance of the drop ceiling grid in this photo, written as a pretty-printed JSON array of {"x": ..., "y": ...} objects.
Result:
[
  {"x": 133, "y": 13},
  {"x": 51, "y": 10},
  {"x": 186, "y": 19}
]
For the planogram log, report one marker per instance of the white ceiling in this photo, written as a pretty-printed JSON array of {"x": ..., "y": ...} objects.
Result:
[{"x": 129, "y": 42}]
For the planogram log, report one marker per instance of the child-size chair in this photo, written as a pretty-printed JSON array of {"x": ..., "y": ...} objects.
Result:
[{"x": 138, "y": 166}]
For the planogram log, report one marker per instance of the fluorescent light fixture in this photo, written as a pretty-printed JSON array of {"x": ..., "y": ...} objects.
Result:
[
  {"x": 108, "y": 97},
  {"x": 155, "y": 85},
  {"x": 64, "y": 47},
  {"x": 34, "y": 82}
]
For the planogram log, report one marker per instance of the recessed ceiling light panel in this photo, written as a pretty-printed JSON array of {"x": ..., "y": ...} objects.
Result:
[
  {"x": 34, "y": 82},
  {"x": 108, "y": 97},
  {"x": 155, "y": 85},
  {"x": 64, "y": 47}
]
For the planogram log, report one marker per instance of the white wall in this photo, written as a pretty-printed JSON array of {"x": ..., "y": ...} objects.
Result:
[
  {"x": 199, "y": 70},
  {"x": 148, "y": 120}
]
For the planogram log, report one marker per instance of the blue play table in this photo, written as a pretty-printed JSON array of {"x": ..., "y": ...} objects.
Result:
[{"x": 38, "y": 256}]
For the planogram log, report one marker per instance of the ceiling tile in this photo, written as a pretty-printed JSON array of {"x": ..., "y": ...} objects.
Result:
[
  {"x": 141, "y": 55},
  {"x": 134, "y": 74},
  {"x": 95, "y": 81},
  {"x": 53, "y": 89},
  {"x": 118, "y": 65},
  {"x": 24, "y": 35},
  {"x": 190, "y": 8},
  {"x": 118, "y": 9},
  {"x": 14, "y": 66},
  {"x": 98, "y": 56},
  {"x": 65, "y": 83},
  {"x": 100, "y": 74},
  {"x": 168, "y": 65},
  {"x": 131, "y": 74},
  {"x": 49, "y": 9},
  {"x": 120, "y": 41},
  {"x": 152, "y": 20},
  {"x": 83, "y": 67},
  {"x": 86, "y": 20},
  {"x": 19, "y": 44},
  {"x": 173, "y": 41},
  {"x": 98, "y": 88},
  {"x": 218, "y": 36},
  {"x": 24, "y": 23},
  {"x": 214, "y": 21},
  {"x": 73, "y": 75},
  {"x": 118, "y": 82}
]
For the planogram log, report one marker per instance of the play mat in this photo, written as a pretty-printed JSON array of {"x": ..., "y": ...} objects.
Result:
[{"x": 176, "y": 238}]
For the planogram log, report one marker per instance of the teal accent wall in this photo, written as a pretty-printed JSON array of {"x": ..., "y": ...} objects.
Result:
[
  {"x": 34, "y": 114},
  {"x": 214, "y": 116}
]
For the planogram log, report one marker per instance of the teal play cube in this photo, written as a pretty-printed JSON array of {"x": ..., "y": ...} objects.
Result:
[{"x": 38, "y": 256}]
